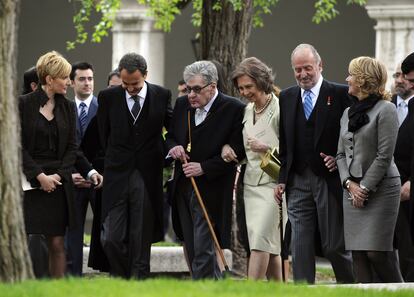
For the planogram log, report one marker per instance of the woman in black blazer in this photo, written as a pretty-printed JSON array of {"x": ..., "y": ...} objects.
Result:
[{"x": 49, "y": 152}]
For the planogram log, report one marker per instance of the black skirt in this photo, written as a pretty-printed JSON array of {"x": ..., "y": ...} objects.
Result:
[{"x": 45, "y": 213}]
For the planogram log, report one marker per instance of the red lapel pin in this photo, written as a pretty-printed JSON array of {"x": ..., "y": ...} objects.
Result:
[{"x": 329, "y": 101}]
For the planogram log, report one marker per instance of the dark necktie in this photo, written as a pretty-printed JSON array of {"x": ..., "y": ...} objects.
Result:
[
  {"x": 136, "y": 107},
  {"x": 83, "y": 117}
]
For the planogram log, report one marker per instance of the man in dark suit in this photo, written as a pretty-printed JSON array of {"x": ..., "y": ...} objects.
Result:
[
  {"x": 407, "y": 68},
  {"x": 82, "y": 81},
  {"x": 310, "y": 116},
  {"x": 402, "y": 156},
  {"x": 130, "y": 121},
  {"x": 203, "y": 122}
]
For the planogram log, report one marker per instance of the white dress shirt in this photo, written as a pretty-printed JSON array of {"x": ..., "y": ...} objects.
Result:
[{"x": 141, "y": 95}]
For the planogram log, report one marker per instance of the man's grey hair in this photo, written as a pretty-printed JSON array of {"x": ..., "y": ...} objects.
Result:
[
  {"x": 206, "y": 69},
  {"x": 306, "y": 46}
]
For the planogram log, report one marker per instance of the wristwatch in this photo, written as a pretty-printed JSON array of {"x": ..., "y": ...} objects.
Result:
[{"x": 347, "y": 183}]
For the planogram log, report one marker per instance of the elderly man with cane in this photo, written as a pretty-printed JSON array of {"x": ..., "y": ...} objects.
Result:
[{"x": 203, "y": 121}]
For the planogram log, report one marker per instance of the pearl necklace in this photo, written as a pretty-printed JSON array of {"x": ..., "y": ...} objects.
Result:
[{"x": 269, "y": 97}]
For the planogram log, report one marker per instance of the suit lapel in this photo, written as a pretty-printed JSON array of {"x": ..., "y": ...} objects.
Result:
[
  {"x": 211, "y": 113},
  {"x": 192, "y": 118},
  {"x": 321, "y": 109},
  {"x": 93, "y": 107},
  {"x": 122, "y": 106},
  {"x": 291, "y": 110},
  {"x": 147, "y": 109},
  {"x": 189, "y": 111}
]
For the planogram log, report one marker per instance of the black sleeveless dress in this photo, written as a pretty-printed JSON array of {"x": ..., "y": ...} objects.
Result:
[{"x": 46, "y": 213}]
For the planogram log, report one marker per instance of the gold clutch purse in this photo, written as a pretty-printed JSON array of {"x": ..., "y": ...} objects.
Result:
[{"x": 271, "y": 164}]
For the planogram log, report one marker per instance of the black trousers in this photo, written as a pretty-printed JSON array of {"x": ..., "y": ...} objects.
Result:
[
  {"x": 404, "y": 243},
  {"x": 74, "y": 237},
  {"x": 197, "y": 237},
  {"x": 127, "y": 231}
]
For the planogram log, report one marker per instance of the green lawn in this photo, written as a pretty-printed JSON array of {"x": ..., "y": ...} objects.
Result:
[{"x": 105, "y": 287}]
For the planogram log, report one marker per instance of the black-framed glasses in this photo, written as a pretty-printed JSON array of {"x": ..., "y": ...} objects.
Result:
[{"x": 195, "y": 89}]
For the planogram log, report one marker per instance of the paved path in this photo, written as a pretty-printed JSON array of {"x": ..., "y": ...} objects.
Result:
[{"x": 171, "y": 260}]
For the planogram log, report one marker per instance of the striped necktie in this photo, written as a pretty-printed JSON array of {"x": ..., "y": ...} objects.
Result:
[
  {"x": 307, "y": 103},
  {"x": 83, "y": 117}
]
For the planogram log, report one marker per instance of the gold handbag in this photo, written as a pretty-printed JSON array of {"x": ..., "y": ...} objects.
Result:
[{"x": 271, "y": 164}]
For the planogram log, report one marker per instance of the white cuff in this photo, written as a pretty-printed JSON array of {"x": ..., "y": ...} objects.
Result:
[
  {"x": 90, "y": 173},
  {"x": 364, "y": 187}
]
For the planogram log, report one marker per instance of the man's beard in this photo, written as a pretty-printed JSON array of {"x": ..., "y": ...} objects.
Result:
[{"x": 402, "y": 92}]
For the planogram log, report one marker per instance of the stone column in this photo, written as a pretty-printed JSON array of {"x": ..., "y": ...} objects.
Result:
[
  {"x": 133, "y": 31},
  {"x": 394, "y": 30}
]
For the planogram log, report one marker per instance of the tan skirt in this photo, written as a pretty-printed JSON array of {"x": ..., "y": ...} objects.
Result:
[{"x": 262, "y": 218}]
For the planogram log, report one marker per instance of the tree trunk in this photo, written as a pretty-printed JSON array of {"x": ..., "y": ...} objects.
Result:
[
  {"x": 225, "y": 34},
  {"x": 224, "y": 38},
  {"x": 15, "y": 262}
]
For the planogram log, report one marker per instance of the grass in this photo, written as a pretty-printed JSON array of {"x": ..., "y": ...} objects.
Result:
[
  {"x": 166, "y": 244},
  {"x": 105, "y": 287},
  {"x": 325, "y": 275},
  {"x": 87, "y": 239}
]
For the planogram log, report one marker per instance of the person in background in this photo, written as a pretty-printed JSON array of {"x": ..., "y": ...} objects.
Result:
[
  {"x": 181, "y": 88},
  {"x": 49, "y": 152},
  {"x": 254, "y": 81},
  {"x": 369, "y": 176},
  {"x": 403, "y": 158},
  {"x": 114, "y": 78},
  {"x": 30, "y": 80},
  {"x": 82, "y": 81},
  {"x": 407, "y": 68}
]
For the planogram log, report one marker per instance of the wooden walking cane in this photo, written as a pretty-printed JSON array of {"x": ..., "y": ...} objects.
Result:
[
  {"x": 281, "y": 241},
  {"x": 210, "y": 226},
  {"x": 200, "y": 201}
]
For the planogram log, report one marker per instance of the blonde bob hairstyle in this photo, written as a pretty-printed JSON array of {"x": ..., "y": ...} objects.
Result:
[
  {"x": 370, "y": 75},
  {"x": 53, "y": 64}
]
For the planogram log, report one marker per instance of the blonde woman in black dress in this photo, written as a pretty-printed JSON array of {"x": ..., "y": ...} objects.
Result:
[{"x": 49, "y": 152}]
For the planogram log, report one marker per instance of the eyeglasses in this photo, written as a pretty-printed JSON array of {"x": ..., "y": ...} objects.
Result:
[
  {"x": 195, "y": 89},
  {"x": 403, "y": 76}
]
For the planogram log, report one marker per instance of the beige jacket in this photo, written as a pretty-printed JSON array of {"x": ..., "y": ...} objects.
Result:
[{"x": 266, "y": 130}]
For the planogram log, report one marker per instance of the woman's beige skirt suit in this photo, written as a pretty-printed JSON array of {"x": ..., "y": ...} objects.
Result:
[{"x": 262, "y": 211}]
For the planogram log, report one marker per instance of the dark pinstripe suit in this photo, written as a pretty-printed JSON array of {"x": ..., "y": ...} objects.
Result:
[{"x": 314, "y": 195}]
